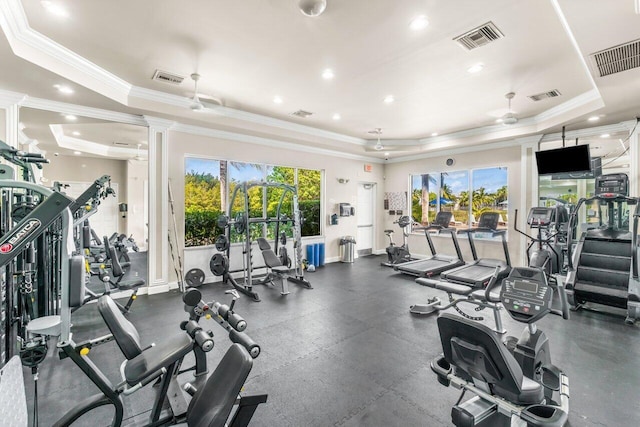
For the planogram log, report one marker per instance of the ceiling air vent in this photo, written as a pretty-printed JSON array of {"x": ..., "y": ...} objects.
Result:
[
  {"x": 302, "y": 113},
  {"x": 480, "y": 36},
  {"x": 544, "y": 95},
  {"x": 163, "y": 76},
  {"x": 121, "y": 144},
  {"x": 616, "y": 59}
]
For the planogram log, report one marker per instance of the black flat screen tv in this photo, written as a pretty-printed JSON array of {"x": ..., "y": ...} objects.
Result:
[{"x": 563, "y": 160}]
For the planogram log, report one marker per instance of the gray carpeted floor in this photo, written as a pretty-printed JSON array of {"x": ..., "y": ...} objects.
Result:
[{"x": 349, "y": 353}]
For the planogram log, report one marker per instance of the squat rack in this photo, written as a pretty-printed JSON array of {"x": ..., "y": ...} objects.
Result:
[{"x": 241, "y": 223}]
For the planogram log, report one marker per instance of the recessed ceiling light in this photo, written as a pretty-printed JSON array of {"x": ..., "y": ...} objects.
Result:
[
  {"x": 434, "y": 134},
  {"x": 418, "y": 23},
  {"x": 605, "y": 135},
  {"x": 77, "y": 153},
  {"x": 71, "y": 117},
  {"x": 389, "y": 99},
  {"x": 75, "y": 133},
  {"x": 386, "y": 154},
  {"x": 498, "y": 120},
  {"x": 475, "y": 68},
  {"x": 277, "y": 99},
  {"x": 328, "y": 74},
  {"x": 593, "y": 118},
  {"x": 336, "y": 116},
  {"x": 54, "y": 8},
  {"x": 64, "y": 89}
]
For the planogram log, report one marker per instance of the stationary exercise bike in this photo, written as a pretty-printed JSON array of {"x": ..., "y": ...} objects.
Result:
[
  {"x": 514, "y": 381},
  {"x": 398, "y": 254}
]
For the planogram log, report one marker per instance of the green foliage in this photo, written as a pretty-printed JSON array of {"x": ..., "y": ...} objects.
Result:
[{"x": 203, "y": 204}]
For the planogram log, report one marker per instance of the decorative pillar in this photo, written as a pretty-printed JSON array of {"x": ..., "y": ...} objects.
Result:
[{"x": 158, "y": 204}]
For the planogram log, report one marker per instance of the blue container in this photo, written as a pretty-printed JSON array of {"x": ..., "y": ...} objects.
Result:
[
  {"x": 321, "y": 257},
  {"x": 316, "y": 254},
  {"x": 311, "y": 255}
]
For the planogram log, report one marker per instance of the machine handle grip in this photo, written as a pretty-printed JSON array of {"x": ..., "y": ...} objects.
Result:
[
  {"x": 237, "y": 322},
  {"x": 244, "y": 340},
  {"x": 564, "y": 304}
]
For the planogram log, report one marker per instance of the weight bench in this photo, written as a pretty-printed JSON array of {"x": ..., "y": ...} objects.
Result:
[
  {"x": 482, "y": 298},
  {"x": 275, "y": 268}
]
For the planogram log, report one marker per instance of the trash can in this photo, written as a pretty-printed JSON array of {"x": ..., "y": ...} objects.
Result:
[{"x": 347, "y": 248}]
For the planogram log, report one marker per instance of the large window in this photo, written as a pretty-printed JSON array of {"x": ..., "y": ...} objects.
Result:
[
  {"x": 209, "y": 185},
  {"x": 465, "y": 193}
]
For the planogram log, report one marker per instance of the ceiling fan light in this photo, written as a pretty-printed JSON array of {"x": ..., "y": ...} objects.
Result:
[
  {"x": 509, "y": 119},
  {"x": 379, "y": 146}
]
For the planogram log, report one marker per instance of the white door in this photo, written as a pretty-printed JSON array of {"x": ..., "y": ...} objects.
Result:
[{"x": 365, "y": 215}]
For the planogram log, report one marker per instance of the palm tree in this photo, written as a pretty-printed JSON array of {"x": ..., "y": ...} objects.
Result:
[
  {"x": 223, "y": 186},
  {"x": 426, "y": 181},
  {"x": 447, "y": 192},
  {"x": 463, "y": 199}
]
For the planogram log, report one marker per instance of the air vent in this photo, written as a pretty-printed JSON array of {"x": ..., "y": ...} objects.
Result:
[
  {"x": 616, "y": 59},
  {"x": 544, "y": 95},
  {"x": 480, "y": 36},
  {"x": 302, "y": 113},
  {"x": 163, "y": 76},
  {"x": 121, "y": 144}
]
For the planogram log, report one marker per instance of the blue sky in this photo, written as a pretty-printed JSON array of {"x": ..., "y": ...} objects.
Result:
[{"x": 238, "y": 171}]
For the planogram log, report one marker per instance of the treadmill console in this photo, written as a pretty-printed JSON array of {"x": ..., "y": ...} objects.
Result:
[
  {"x": 540, "y": 217},
  {"x": 442, "y": 219},
  {"x": 612, "y": 185},
  {"x": 489, "y": 220},
  {"x": 526, "y": 295}
]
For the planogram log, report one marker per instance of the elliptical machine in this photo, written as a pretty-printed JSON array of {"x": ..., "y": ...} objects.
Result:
[
  {"x": 398, "y": 254},
  {"x": 514, "y": 381},
  {"x": 548, "y": 254}
]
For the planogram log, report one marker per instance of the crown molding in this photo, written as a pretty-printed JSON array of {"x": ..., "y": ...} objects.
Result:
[
  {"x": 84, "y": 145},
  {"x": 462, "y": 150},
  {"x": 9, "y": 98},
  {"x": 160, "y": 125},
  {"x": 268, "y": 142},
  {"x": 81, "y": 110},
  {"x": 592, "y": 131}
]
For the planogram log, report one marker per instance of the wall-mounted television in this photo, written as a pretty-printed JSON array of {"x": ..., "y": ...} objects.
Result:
[
  {"x": 564, "y": 160},
  {"x": 596, "y": 170}
]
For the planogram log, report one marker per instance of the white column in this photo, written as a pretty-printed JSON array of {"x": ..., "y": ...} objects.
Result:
[
  {"x": 528, "y": 184},
  {"x": 158, "y": 204},
  {"x": 9, "y": 102},
  {"x": 634, "y": 163}
]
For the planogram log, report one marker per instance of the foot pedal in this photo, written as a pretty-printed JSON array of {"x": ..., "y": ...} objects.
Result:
[{"x": 430, "y": 307}]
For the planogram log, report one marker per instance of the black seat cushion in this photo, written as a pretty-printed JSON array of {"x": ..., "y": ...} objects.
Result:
[
  {"x": 270, "y": 258},
  {"x": 124, "y": 333},
  {"x": 131, "y": 284},
  {"x": 159, "y": 356},
  {"x": 477, "y": 353},
  {"x": 212, "y": 404}
]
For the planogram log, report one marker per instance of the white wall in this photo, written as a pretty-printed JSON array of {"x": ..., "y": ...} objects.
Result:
[
  {"x": 181, "y": 144},
  {"x": 88, "y": 169},
  {"x": 397, "y": 178},
  {"x": 137, "y": 175}
]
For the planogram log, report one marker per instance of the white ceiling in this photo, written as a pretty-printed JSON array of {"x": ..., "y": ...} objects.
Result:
[{"x": 249, "y": 51}]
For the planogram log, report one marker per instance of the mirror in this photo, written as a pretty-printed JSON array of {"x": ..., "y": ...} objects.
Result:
[{"x": 81, "y": 150}]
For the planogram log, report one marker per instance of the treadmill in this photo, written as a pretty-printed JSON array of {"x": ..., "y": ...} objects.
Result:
[
  {"x": 478, "y": 273},
  {"x": 437, "y": 263}
]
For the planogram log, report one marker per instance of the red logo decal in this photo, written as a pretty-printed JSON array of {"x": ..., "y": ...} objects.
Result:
[{"x": 6, "y": 248}]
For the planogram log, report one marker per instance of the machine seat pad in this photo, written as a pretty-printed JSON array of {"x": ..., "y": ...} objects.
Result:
[
  {"x": 157, "y": 357},
  {"x": 280, "y": 269},
  {"x": 532, "y": 393},
  {"x": 214, "y": 401},
  {"x": 426, "y": 282},
  {"x": 454, "y": 288},
  {"x": 124, "y": 333},
  {"x": 126, "y": 286}
]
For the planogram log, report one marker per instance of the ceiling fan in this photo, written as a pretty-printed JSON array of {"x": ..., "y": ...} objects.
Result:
[
  {"x": 196, "y": 104},
  {"x": 378, "y": 132},
  {"x": 510, "y": 117}
]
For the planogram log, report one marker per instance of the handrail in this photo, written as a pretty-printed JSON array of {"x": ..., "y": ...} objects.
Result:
[
  {"x": 634, "y": 242},
  {"x": 570, "y": 229}
]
